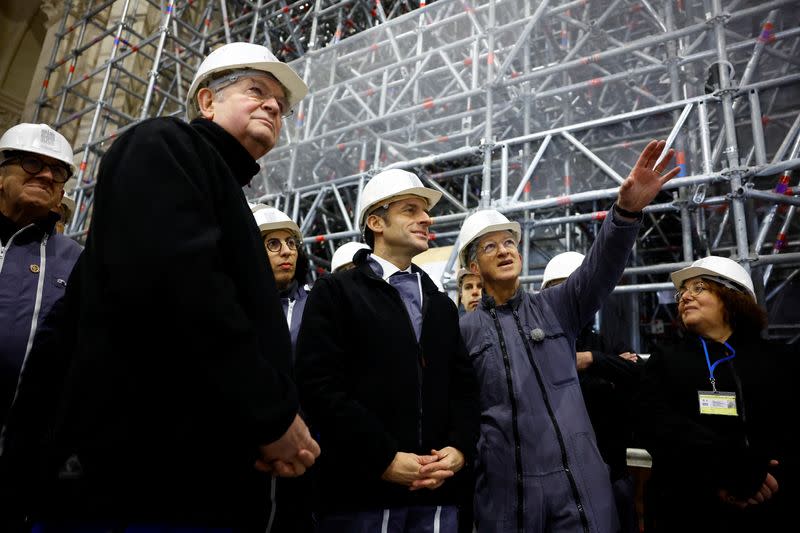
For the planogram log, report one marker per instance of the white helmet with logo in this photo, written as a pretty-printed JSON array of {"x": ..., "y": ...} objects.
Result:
[
  {"x": 38, "y": 139},
  {"x": 244, "y": 56},
  {"x": 721, "y": 269},
  {"x": 392, "y": 183},
  {"x": 481, "y": 223},
  {"x": 345, "y": 253},
  {"x": 271, "y": 219},
  {"x": 561, "y": 266}
]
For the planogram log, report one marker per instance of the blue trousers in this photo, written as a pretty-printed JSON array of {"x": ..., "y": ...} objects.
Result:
[{"x": 440, "y": 519}]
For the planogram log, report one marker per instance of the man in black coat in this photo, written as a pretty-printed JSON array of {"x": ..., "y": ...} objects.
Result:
[
  {"x": 385, "y": 379},
  {"x": 177, "y": 396}
]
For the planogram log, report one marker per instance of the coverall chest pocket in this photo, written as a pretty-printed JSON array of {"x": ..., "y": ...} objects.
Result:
[
  {"x": 489, "y": 371},
  {"x": 555, "y": 355}
]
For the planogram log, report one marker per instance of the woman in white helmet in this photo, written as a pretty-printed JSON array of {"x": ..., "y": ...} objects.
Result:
[
  {"x": 284, "y": 245},
  {"x": 715, "y": 411}
]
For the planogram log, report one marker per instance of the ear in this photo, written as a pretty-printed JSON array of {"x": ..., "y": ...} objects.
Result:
[
  {"x": 205, "y": 100},
  {"x": 474, "y": 268},
  {"x": 376, "y": 224}
]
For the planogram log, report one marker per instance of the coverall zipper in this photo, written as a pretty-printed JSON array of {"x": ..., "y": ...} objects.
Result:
[
  {"x": 514, "y": 422},
  {"x": 559, "y": 436}
]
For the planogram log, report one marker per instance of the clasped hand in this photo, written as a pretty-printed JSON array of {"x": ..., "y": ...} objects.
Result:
[
  {"x": 424, "y": 471},
  {"x": 290, "y": 455}
]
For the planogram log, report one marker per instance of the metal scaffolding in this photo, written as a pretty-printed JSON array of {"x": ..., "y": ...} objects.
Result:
[{"x": 537, "y": 108}]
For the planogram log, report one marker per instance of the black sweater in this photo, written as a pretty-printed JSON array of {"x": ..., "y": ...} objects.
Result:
[
  {"x": 371, "y": 390},
  {"x": 695, "y": 455},
  {"x": 181, "y": 364}
]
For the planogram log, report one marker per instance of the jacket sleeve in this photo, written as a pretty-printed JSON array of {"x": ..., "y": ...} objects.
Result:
[
  {"x": 323, "y": 375},
  {"x": 582, "y": 294},
  {"x": 685, "y": 448},
  {"x": 165, "y": 273},
  {"x": 464, "y": 399}
]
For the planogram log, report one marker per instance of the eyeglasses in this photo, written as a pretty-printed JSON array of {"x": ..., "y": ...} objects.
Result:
[
  {"x": 255, "y": 91},
  {"x": 33, "y": 165},
  {"x": 274, "y": 245},
  {"x": 694, "y": 290},
  {"x": 491, "y": 248}
]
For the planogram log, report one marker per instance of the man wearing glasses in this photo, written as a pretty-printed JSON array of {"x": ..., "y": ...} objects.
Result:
[
  {"x": 538, "y": 466},
  {"x": 35, "y": 262},
  {"x": 179, "y": 402}
]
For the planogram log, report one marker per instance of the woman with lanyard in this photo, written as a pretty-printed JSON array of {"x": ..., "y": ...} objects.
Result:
[{"x": 715, "y": 412}]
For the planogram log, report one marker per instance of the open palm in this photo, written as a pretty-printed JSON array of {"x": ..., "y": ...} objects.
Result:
[{"x": 644, "y": 181}]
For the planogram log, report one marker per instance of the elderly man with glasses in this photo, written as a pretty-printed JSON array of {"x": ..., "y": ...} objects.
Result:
[
  {"x": 538, "y": 466},
  {"x": 179, "y": 405},
  {"x": 35, "y": 262}
]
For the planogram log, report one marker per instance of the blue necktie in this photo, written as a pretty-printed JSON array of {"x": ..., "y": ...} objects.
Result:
[{"x": 407, "y": 284}]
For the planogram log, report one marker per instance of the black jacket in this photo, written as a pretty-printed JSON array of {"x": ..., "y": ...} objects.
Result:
[
  {"x": 181, "y": 363},
  {"x": 608, "y": 385},
  {"x": 371, "y": 390},
  {"x": 695, "y": 455}
]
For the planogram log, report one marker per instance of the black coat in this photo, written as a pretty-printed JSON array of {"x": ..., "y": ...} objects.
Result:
[
  {"x": 608, "y": 385},
  {"x": 371, "y": 390},
  {"x": 181, "y": 363},
  {"x": 695, "y": 455}
]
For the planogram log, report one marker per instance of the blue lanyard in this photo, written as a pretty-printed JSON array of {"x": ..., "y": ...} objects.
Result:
[{"x": 714, "y": 366}]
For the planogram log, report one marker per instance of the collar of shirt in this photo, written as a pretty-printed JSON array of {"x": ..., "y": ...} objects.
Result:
[{"x": 388, "y": 267}]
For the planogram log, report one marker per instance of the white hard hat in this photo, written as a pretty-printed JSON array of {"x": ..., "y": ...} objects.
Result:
[
  {"x": 561, "y": 266},
  {"x": 479, "y": 224},
  {"x": 38, "y": 139},
  {"x": 271, "y": 219},
  {"x": 720, "y": 269},
  {"x": 390, "y": 184},
  {"x": 345, "y": 253},
  {"x": 462, "y": 273},
  {"x": 244, "y": 56}
]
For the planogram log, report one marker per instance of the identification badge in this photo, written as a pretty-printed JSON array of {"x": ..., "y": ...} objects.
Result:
[{"x": 717, "y": 403}]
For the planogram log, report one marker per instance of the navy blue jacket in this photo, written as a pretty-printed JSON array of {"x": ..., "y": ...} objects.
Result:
[
  {"x": 537, "y": 454},
  {"x": 35, "y": 264}
]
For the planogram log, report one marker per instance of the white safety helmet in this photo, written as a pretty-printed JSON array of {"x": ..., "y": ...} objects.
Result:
[
  {"x": 244, "y": 56},
  {"x": 271, "y": 219},
  {"x": 345, "y": 253},
  {"x": 390, "y": 184},
  {"x": 461, "y": 274},
  {"x": 561, "y": 266},
  {"x": 479, "y": 224},
  {"x": 38, "y": 139},
  {"x": 720, "y": 269}
]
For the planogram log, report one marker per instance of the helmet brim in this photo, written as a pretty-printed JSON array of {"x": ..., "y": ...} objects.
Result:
[
  {"x": 431, "y": 196},
  {"x": 680, "y": 276}
]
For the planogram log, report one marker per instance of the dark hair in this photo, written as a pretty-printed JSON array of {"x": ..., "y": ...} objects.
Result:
[
  {"x": 301, "y": 267},
  {"x": 369, "y": 236},
  {"x": 739, "y": 310}
]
